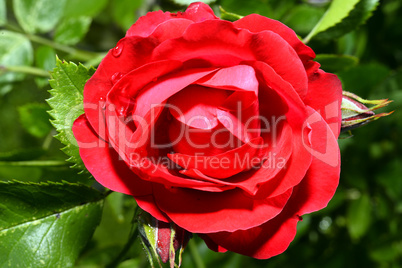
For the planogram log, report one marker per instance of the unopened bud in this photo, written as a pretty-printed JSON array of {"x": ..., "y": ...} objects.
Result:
[
  {"x": 355, "y": 113},
  {"x": 161, "y": 239}
]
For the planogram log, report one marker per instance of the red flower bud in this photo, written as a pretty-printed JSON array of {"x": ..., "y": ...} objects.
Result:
[{"x": 161, "y": 239}]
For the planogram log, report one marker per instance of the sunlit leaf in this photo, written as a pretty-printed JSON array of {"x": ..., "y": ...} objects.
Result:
[
  {"x": 3, "y": 12},
  {"x": 46, "y": 224},
  {"x": 87, "y": 8},
  {"x": 39, "y": 15},
  {"x": 341, "y": 17},
  {"x": 15, "y": 50},
  {"x": 71, "y": 30}
]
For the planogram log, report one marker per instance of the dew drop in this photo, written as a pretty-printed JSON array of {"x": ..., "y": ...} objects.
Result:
[
  {"x": 121, "y": 111},
  {"x": 117, "y": 50},
  {"x": 116, "y": 77},
  {"x": 102, "y": 102}
]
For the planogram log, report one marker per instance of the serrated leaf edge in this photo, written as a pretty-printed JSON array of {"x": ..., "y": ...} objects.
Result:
[
  {"x": 76, "y": 163},
  {"x": 39, "y": 220}
]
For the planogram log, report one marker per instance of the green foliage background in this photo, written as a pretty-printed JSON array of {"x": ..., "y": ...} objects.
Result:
[{"x": 362, "y": 225}]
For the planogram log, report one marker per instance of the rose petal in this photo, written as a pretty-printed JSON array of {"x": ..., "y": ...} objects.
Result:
[
  {"x": 313, "y": 193},
  {"x": 242, "y": 123},
  {"x": 189, "y": 140},
  {"x": 221, "y": 44},
  {"x": 196, "y": 106},
  {"x": 170, "y": 29},
  {"x": 104, "y": 163},
  {"x": 322, "y": 178},
  {"x": 262, "y": 242},
  {"x": 198, "y": 12},
  {"x": 132, "y": 52},
  {"x": 325, "y": 96},
  {"x": 145, "y": 25},
  {"x": 167, "y": 86},
  {"x": 226, "y": 164},
  {"x": 257, "y": 23},
  {"x": 147, "y": 203},
  {"x": 198, "y": 211},
  {"x": 254, "y": 182},
  {"x": 240, "y": 77}
]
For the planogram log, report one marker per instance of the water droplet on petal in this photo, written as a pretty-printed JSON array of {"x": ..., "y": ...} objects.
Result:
[
  {"x": 116, "y": 77},
  {"x": 102, "y": 102},
  {"x": 118, "y": 49},
  {"x": 122, "y": 111}
]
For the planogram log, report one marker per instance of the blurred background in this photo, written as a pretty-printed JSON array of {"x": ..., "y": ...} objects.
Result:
[{"x": 361, "y": 227}]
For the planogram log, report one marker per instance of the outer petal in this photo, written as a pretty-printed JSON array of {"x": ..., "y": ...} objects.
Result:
[
  {"x": 325, "y": 96},
  {"x": 220, "y": 43},
  {"x": 104, "y": 163},
  {"x": 322, "y": 178},
  {"x": 258, "y": 23},
  {"x": 296, "y": 115},
  {"x": 145, "y": 25},
  {"x": 129, "y": 54},
  {"x": 198, "y": 12},
  {"x": 203, "y": 212},
  {"x": 147, "y": 203},
  {"x": 124, "y": 91},
  {"x": 262, "y": 242}
]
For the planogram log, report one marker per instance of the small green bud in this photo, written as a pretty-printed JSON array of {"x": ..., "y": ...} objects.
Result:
[{"x": 355, "y": 113}]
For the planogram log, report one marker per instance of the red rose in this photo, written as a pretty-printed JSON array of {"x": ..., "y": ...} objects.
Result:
[{"x": 226, "y": 129}]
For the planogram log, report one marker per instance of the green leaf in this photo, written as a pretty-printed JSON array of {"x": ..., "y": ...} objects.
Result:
[
  {"x": 87, "y": 8},
  {"x": 35, "y": 119},
  {"x": 303, "y": 18},
  {"x": 113, "y": 232},
  {"x": 22, "y": 154},
  {"x": 38, "y": 15},
  {"x": 336, "y": 63},
  {"x": 45, "y": 59},
  {"x": 67, "y": 103},
  {"x": 46, "y": 224},
  {"x": 247, "y": 7},
  {"x": 188, "y": 2},
  {"x": 3, "y": 12},
  {"x": 71, "y": 30},
  {"x": 15, "y": 50},
  {"x": 359, "y": 216},
  {"x": 363, "y": 78},
  {"x": 124, "y": 12},
  {"x": 342, "y": 17}
]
